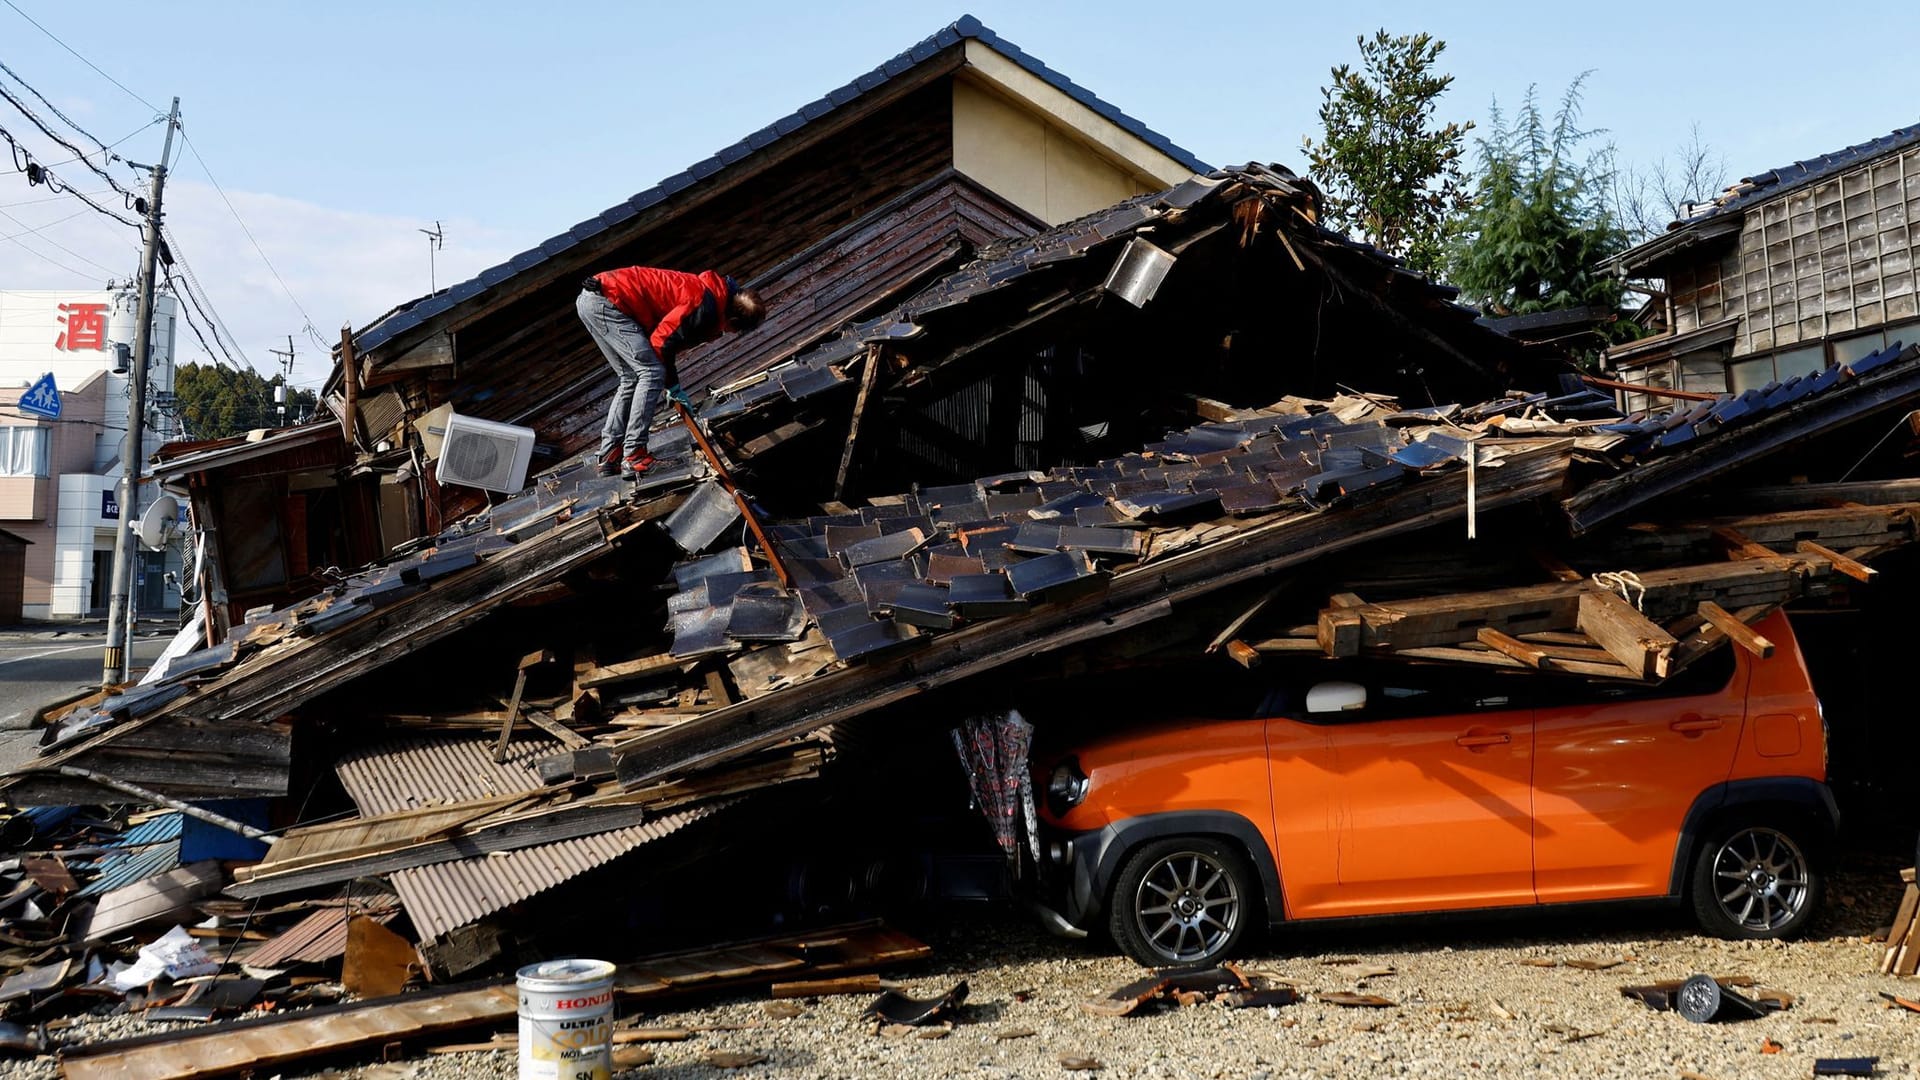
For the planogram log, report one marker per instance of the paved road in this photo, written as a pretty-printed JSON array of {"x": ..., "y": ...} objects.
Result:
[{"x": 40, "y": 668}]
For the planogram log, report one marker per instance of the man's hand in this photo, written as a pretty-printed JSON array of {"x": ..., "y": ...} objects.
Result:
[{"x": 679, "y": 396}]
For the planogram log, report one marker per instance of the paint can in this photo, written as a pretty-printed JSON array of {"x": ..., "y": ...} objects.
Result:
[{"x": 566, "y": 1020}]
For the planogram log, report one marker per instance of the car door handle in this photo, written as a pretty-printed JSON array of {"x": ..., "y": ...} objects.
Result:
[
  {"x": 1697, "y": 725},
  {"x": 1481, "y": 742}
]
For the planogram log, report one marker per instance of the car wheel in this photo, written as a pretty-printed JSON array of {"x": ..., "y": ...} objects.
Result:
[
  {"x": 1755, "y": 881},
  {"x": 1183, "y": 901}
]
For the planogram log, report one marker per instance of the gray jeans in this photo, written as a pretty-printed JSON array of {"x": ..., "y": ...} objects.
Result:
[{"x": 642, "y": 379}]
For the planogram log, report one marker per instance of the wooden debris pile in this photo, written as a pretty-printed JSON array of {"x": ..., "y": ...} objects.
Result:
[{"x": 1902, "y": 956}]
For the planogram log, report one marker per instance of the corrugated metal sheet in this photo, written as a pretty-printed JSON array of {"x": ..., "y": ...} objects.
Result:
[
  {"x": 155, "y": 830},
  {"x": 450, "y": 895},
  {"x": 320, "y": 936},
  {"x": 967, "y": 27},
  {"x": 406, "y": 774},
  {"x": 120, "y": 870}
]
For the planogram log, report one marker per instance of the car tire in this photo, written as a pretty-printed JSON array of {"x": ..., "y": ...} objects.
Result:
[
  {"x": 1184, "y": 901},
  {"x": 1756, "y": 880}
]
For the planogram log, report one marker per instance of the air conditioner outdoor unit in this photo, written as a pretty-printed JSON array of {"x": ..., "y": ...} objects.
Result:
[{"x": 485, "y": 454}]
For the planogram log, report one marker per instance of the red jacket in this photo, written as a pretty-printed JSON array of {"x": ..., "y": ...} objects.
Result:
[{"x": 677, "y": 310}]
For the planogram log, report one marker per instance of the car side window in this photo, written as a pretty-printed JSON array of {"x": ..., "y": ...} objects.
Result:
[
  {"x": 1707, "y": 675},
  {"x": 1398, "y": 691}
]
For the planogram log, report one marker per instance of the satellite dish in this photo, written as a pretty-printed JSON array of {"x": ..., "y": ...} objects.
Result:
[{"x": 157, "y": 525}]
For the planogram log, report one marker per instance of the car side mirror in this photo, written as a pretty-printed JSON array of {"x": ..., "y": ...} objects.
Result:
[{"x": 1329, "y": 697}]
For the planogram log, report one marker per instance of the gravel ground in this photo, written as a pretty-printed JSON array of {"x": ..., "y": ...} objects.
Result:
[{"x": 1467, "y": 1003}]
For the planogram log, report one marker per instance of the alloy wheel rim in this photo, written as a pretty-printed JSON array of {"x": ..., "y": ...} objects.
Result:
[
  {"x": 1187, "y": 906},
  {"x": 1760, "y": 879}
]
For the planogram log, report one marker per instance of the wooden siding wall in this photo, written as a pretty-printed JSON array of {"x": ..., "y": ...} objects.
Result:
[
  {"x": 931, "y": 228},
  {"x": 531, "y": 362},
  {"x": 1825, "y": 261}
]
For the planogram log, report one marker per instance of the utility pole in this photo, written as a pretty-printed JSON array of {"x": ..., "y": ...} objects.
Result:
[
  {"x": 286, "y": 379},
  {"x": 120, "y": 600},
  {"x": 436, "y": 239}
]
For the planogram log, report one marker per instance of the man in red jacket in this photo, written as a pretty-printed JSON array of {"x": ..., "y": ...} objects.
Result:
[{"x": 642, "y": 318}]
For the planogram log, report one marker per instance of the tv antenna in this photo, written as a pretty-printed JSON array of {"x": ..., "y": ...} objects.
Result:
[{"x": 436, "y": 239}]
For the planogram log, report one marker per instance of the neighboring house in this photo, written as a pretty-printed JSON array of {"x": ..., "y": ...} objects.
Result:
[
  {"x": 839, "y": 210},
  {"x": 59, "y": 478},
  {"x": 1785, "y": 273}
]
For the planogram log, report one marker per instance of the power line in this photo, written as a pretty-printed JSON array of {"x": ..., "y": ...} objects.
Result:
[
  {"x": 109, "y": 147},
  {"x": 49, "y": 258},
  {"x": 179, "y": 258},
  {"x": 311, "y": 332},
  {"x": 187, "y": 313},
  {"x": 55, "y": 109},
  {"x": 39, "y": 202},
  {"x": 53, "y": 242},
  {"x": 38, "y": 174},
  {"x": 187, "y": 317},
  {"x": 80, "y": 155},
  {"x": 150, "y": 105},
  {"x": 38, "y": 228}
]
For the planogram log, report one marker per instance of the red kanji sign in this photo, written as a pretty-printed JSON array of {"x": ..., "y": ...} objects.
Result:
[{"x": 86, "y": 327}]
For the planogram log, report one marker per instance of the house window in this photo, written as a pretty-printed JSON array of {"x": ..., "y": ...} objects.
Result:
[
  {"x": 1745, "y": 375},
  {"x": 24, "y": 450},
  {"x": 1706, "y": 373},
  {"x": 1847, "y": 350},
  {"x": 1802, "y": 361}
]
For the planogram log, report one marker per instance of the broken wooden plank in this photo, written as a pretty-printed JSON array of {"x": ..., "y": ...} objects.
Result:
[
  {"x": 1243, "y": 654},
  {"x": 629, "y": 669},
  {"x": 1288, "y": 644},
  {"x": 1527, "y": 610},
  {"x": 1739, "y": 546},
  {"x": 846, "y": 984},
  {"x": 1529, "y": 655},
  {"x": 1640, "y": 644},
  {"x": 1232, "y": 629},
  {"x": 1710, "y": 637},
  {"x": 568, "y": 737},
  {"x": 869, "y": 378},
  {"x": 1467, "y": 654},
  {"x": 1858, "y": 571},
  {"x": 1731, "y": 625}
]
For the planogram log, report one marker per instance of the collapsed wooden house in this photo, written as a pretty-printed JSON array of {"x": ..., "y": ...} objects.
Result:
[{"x": 595, "y": 669}]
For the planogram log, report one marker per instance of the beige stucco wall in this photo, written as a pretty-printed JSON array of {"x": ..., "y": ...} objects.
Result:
[{"x": 1041, "y": 150}]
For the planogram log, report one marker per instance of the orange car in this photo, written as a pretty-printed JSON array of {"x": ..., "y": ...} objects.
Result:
[{"x": 1380, "y": 788}]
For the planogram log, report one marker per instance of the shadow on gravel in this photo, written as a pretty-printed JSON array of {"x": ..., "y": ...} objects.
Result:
[{"x": 1861, "y": 897}]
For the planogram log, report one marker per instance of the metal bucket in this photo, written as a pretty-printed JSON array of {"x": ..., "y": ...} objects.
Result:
[{"x": 566, "y": 1020}]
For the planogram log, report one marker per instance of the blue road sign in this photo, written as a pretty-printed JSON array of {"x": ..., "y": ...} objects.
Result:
[{"x": 42, "y": 399}]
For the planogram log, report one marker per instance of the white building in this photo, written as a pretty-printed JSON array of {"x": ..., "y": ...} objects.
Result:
[{"x": 58, "y": 477}]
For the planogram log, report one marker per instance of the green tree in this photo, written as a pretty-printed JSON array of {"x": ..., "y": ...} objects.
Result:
[
  {"x": 1391, "y": 174},
  {"x": 216, "y": 402},
  {"x": 1540, "y": 224}
]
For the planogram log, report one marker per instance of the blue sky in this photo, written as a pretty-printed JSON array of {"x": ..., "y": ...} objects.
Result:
[{"x": 337, "y": 129}]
